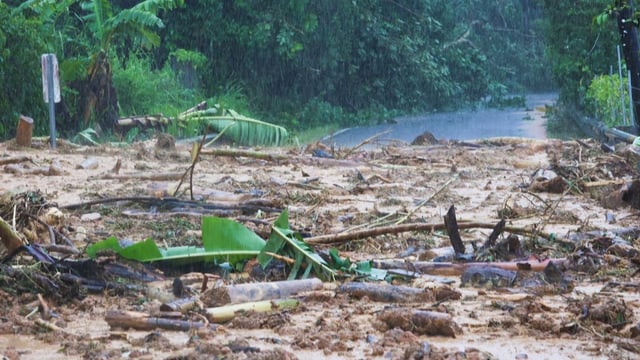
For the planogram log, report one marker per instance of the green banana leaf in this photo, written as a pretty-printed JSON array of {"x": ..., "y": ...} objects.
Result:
[
  {"x": 245, "y": 130},
  {"x": 289, "y": 243},
  {"x": 223, "y": 240},
  {"x": 361, "y": 268}
]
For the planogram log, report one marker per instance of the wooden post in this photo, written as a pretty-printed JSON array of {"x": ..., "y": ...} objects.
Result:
[{"x": 24, "y": 131}]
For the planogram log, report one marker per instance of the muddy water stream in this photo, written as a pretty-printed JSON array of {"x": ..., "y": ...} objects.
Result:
[{"x": 528, "y": 122}]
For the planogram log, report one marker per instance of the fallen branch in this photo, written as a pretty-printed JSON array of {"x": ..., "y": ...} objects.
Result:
[
  {"x": 308, "y": 160},
  {"x": 169, "y": 203},
  {"x": 396, "y": 229},
  {"x": 366, "y": 141},
  {"x": 152, "y": 177},
  {"x": 423, "y": 202},
  {"x": 142, "y": 321},
  {"x": 245, "y": 153},
  {"x": 456, "y": 269},
  {"x": 15, "y": 160}
]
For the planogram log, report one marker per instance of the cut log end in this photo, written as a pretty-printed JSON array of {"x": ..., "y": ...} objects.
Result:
[{"x": 24, "y": 131}]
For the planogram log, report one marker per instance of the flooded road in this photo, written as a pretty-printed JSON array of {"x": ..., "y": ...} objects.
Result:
[{"x": 528, "y": 122}]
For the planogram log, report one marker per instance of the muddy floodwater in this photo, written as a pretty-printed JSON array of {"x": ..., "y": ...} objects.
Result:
[{"x": 527, "y": 122}]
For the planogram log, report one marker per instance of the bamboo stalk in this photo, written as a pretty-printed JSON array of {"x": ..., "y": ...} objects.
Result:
[{"x": 228, "y": 312}]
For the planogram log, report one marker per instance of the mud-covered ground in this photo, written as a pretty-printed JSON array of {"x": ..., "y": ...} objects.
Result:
[{"x": 561, "y": 199}]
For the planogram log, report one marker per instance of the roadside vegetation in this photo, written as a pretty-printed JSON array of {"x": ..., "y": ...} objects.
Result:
[{"x": 302, "y": 65}]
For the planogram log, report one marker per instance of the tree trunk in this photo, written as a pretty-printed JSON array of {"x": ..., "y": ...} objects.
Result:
[
  {"x": 631, "y": 50},
  {"x": 100, "y": 99}
]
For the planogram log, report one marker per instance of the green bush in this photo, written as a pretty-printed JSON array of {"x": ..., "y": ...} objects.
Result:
[
  {"x": 602, "y": 99},
  {"x": 142, "y": 90}
]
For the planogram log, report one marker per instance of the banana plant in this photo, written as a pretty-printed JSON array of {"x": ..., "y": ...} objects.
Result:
[{"x": 137, "y": 23}]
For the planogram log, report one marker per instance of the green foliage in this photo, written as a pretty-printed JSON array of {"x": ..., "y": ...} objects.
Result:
[
  {"x": 305, "y": 63},
  {"x": 577, "y": 48},
  {"x": 286, "y": 242},
  {"x": 603, "y": 99},
  {"x": 144, "y": 90},
  {"x": 223, "y": 240},
  {"x": 22, "y": 41}
]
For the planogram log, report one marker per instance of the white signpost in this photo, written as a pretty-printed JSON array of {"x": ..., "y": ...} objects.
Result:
[{"x": 51, "y": 90}]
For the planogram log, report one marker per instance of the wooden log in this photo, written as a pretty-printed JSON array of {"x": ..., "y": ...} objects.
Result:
[
  {"x": 141, "y": 321},
  {"x": 456, "y": 269},
  {"x": 242, "y": 293},
  {"x": 24, "y": 131},
  {"x": 384, "y": 292},
  {"x": 228, "y": 312},
  {"x": 420, "y": 322}
]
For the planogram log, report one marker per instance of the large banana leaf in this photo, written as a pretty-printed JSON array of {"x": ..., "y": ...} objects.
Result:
[
  {"x": 287, "y": 242},
  {"x": 224, "y": 240},
  {"x": 245, "y": 130}
]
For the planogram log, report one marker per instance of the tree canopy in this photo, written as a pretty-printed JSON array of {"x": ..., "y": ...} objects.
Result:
[{"x": 304, "y": 63}]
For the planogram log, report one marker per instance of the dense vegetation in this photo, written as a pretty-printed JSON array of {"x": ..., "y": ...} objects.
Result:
[{"x": 297, "y": 63}]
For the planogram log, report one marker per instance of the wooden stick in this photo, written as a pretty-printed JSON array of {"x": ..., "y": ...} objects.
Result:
[
  {"x": 153, "y": 177},
  {"x": 396, "y": 229},
  {"x": 245, "y": 153}
]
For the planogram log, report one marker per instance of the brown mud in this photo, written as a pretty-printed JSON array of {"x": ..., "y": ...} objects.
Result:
[{"x": 576, "y": 218}]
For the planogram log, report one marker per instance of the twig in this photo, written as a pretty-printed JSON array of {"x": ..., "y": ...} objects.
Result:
[
  {"x": 195, "y": 154},
  {"x": 153, "y": 177},
  {"x": 423, "y": 202},
  {"x": 366, "y": 141}
]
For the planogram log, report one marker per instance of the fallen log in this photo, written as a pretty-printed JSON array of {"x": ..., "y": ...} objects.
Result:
[
  {"x": 153, "y": 177},
  {"x": 15, "y": 160},
  {"x": 53, "y": 170},
  {"x": 242, "y": 293},
  {"x": 419, "y": 322},
  {"x": 384, "y": 292},
  {"x": 225, "y": 313},
  {"x": 174, "y": 204},
  {"x": 456, "y": 269},
  {"x": 142, "y": 321},
  {"x": 309, "y": 160}
]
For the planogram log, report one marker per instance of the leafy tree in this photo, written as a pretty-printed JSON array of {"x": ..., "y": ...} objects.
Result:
[
  {"x": 577, "y": 48},
  {"x": 21, "y": 44},
  {"x": 341, "y": 57}
]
